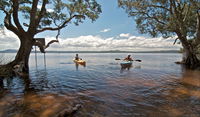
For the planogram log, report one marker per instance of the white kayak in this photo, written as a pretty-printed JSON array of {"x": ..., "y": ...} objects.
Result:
[{"x": 126, "y": 62}]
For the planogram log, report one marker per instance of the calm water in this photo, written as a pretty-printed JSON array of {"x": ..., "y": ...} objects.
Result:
[{"x": 155, "y": 87}]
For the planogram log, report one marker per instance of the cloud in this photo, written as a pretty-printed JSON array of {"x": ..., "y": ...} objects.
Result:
[
  {"x": 126, "y": 42},
  {"x": 124, "y": 35},
  {"x": 8, "y": 40},
  {"x": 105, "y": 30},
  {"x": 131, "y": 43}
]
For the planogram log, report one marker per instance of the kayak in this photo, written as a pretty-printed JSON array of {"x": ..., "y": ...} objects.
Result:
[
  {"x": 126, "y": 62},
  {"x": 79, "y": 61}
]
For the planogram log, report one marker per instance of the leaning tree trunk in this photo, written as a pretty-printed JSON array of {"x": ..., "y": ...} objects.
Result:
[{"x": 22, "y": 57}]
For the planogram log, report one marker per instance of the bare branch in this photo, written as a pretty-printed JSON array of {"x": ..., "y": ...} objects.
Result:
[
  {"x": 52, "y": 41},
  {"x": 61, "y": 26},
  {"x": 15, "y": 15},
  {"x": 175, "y": 41}
]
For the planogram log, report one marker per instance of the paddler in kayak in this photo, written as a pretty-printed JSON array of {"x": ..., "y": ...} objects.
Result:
[
  {"x": 79, "y": 60},
  {"x": 128, "y": 58}
]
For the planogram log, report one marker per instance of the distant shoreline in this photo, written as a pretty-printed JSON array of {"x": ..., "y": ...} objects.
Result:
[{"x": 117, "y": 51}]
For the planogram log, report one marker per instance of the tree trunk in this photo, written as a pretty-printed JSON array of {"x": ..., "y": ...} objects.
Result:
[
  {"x": 22, "y": 57},
  {"x": 190, "y": 59}
]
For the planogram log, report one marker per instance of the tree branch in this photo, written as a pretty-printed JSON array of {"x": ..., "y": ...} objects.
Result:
[
  {"x": 42, "y": 12},
  {"x": 8, "y": 24},
  {"x": 155, "y": 18},
  {"x": 150, "y": 17},
  {"x": 198, "y": 28},
  {"x": 59, "y": 27},
  {"x": 32, "y": 25},
  {"x": 175, "y": 41},
  {"x": 52, "y": 41},
  {"x": 15, "y": 15},
  {"x": 186, "y": 14}
]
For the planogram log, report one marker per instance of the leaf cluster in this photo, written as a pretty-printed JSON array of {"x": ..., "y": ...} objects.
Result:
[{"x": 163, "y": 17}]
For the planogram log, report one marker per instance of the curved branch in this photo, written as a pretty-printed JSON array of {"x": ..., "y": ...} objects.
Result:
[
  {"x": 15, "y": 15},
  {"x": 59, "y": 27},
  {"x": 52, "y": 41},
  {"x": 175, "y": 41},
  {"x": 8, "y": 24}
]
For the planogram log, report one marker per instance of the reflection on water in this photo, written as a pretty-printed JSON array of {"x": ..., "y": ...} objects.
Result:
[
  {"x": 124, "y": 67},
  {"x": 77, "y": 65},
  {"x": 35, "y": 105},
  {"x": 103, "y": 88}
]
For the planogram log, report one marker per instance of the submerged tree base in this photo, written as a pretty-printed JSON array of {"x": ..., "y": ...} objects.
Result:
[{"x": 11, "y": 69}]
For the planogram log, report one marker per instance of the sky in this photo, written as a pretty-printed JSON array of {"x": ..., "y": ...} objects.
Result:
[{"x": 113, "y": 30}]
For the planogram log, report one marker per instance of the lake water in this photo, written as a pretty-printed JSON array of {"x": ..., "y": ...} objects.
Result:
[{"x": 155, "y": 87}]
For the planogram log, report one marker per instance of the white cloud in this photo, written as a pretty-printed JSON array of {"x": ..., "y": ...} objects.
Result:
[
  {"x": 97, "y": 43},
  {"x": 124, "y": 35},
  {"x": 106, "y": 30},
  {"x": 131, "y": 43},
  {"x": 8, "y": 40}
]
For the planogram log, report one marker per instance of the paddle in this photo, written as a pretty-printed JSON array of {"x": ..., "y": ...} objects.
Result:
[{"x": 133, "y": 60}]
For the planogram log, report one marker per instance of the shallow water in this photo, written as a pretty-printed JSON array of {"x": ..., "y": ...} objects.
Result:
[{"x": 154, "y": 87}]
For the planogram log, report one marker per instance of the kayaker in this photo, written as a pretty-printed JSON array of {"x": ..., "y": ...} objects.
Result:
[
  {"x": 128, "y": 58},
  {"x": 76, "y": 57}
]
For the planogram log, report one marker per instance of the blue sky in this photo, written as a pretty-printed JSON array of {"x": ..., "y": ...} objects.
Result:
[
  {"x": 113, "y": 30},
  {"x": 112, "y": 17}
]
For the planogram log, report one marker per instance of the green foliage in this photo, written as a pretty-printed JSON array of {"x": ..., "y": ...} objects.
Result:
[
  {"x": 56, "y": 12},
  {"x": 162, "y": 16}
]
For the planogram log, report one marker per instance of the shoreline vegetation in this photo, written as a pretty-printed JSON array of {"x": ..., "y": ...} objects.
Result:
[{"x": 109, "y": 51}]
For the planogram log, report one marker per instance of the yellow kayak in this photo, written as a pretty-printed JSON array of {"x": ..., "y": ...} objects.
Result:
[{"x": 79, "y": 61}]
